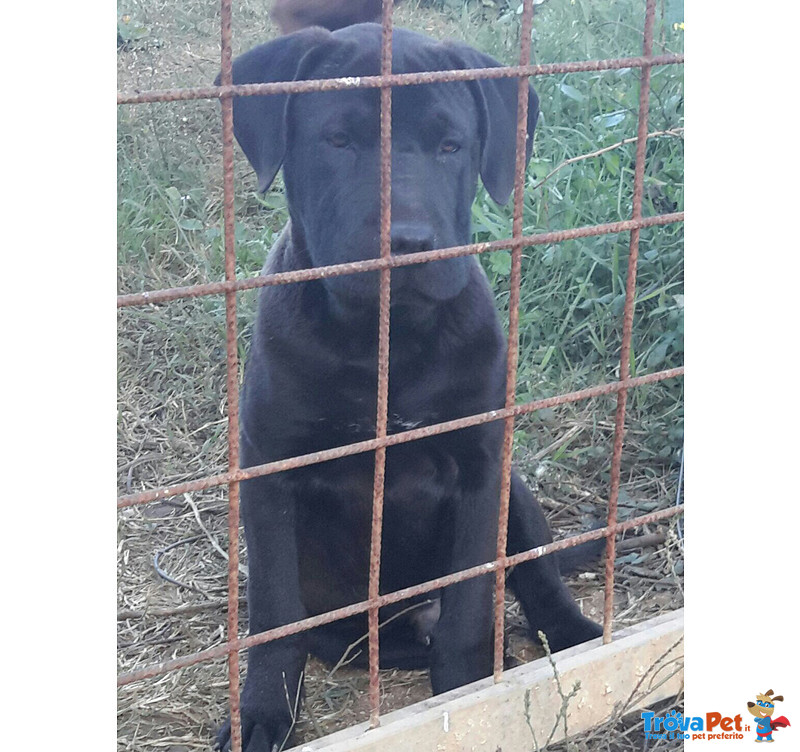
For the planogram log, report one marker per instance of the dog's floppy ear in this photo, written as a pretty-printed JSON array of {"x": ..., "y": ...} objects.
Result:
[
  {"x": 497, "y": 103},
  {"x": 259, "y": 122}
]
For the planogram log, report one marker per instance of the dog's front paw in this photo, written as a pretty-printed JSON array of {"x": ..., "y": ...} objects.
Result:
[{"x": 260, "y": 732}]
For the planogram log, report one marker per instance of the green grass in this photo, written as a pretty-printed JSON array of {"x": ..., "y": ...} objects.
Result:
[
  {"x": 169, "y": 170},
  {"x": 573, "y": 293}
]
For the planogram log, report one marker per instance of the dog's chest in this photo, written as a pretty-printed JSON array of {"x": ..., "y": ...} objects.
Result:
[
  {"x": 335, "y": 515},
  {"x": 363, "y": 427},
  {"x": 346, "y": 404}
]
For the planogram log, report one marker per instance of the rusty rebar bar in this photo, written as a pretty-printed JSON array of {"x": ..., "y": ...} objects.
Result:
[
  {"x": 381, "y": 420},
  {"x": 396, "y": 79},
  {"x": 512, "y": 352},
  {"x": 627, "y": 323},
  {"x": 232, "y": 373}
]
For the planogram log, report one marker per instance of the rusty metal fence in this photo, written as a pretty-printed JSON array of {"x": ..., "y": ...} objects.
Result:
[{"x": 385, "y": 263}]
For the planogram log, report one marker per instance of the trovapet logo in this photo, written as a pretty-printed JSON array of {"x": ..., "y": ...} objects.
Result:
[
  {"x": 715, "y": 726},
  {"x": 675, "y": 725}
]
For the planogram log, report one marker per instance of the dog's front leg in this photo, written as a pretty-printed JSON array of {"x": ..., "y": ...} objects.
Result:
[
  {"x": 271, "y": 695},
  {"x": 462, "y": 644}
]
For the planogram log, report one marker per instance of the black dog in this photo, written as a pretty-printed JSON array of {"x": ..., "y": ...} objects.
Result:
[{"x": 312, "y": 371}]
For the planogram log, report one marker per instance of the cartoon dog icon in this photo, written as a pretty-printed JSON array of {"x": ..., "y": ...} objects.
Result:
[{"x": 762, "y": 709}]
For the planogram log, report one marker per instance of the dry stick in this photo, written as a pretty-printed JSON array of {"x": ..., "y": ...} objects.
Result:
[
  {"x": 562, "y": 713},
  {"x": 527, "y": 712},
  {"x": 678, "y": 662},
  {"x": 674, "y": 540},
  {"x": 182, "y": 610},
  {"x": 150, "y": 641},
  {"x": 318, "y": 730},
  {"x": 161, "y": 573},
  {"x": 292, "y": 709},
  {"x": 677, "y": 132},
  {"x": 568, "y": 436},
  {"x": 139, "y": 460},
  {"x": 641, "y": 541},
  {"x": 242, "y": 568},
  {"x": 343, "y": 662},
  {"x": 620, "y": 617},
  {"x": 564, "y": 699},
  {"x": 130, "y": 466}
]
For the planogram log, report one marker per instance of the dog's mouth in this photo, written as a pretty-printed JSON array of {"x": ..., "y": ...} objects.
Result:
[
  {"x": 420, "y": 286},
  {"x": 434, "y": 281}
]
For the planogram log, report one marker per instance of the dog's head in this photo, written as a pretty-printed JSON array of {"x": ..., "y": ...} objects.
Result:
[
  {"x": 444, "y": 135},
  {"x": 764, "y": 705}
]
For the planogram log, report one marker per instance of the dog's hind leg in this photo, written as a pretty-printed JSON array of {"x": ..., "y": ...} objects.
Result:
[{"x": 546, "y": 601}]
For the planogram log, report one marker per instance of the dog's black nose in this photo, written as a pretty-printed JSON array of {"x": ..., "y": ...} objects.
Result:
[{"x": 411, "y": 237}]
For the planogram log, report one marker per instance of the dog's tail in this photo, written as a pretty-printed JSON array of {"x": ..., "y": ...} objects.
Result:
[{"x": 581, "y": 557}]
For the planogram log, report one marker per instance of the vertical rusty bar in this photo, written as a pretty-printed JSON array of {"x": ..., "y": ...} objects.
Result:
[
  {"x": 512, "y": 357},
  {"x": 381, "y": 420},
  {"x": 627, "y": 321},
  {"x": 232, "y": 374}
]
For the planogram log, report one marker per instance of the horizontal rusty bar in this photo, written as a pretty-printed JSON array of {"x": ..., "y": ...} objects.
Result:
[
  {"x": 222, "y": 650},
  {"x": 396, "y": 79},
  {"x": 415, "y": 434},
  {"x": 368, "y": 265}
]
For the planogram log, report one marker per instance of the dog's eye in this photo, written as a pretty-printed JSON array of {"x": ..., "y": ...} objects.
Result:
[
  {"x": 449, "y": 147},
  {"x": 339, "y": 139}
]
